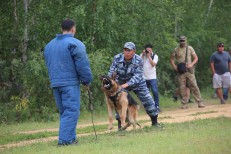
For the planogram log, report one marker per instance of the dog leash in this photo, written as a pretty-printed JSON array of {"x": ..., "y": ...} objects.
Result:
[{"x": 91, "y": 108}]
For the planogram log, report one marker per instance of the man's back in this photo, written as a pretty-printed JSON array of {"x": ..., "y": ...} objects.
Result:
[{"x": 62, "y": 56}]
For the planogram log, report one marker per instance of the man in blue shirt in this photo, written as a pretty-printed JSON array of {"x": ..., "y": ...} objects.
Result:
[
  {"x": 220, "y": 64},
  {"x": 68, "y": 66},
  {"x": 129, "y": 69}
]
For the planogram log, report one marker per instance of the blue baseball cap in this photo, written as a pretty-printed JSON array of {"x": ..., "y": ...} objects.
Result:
[{"x": 130, "y": 46}]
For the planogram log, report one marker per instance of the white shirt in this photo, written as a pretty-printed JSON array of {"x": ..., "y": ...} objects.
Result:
[{"x": 149, "y": 70}]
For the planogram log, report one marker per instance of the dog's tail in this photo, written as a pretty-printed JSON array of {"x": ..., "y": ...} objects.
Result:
[{"x": 138, "y": 125}]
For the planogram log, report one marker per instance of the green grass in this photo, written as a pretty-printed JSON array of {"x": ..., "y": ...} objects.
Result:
[
  {"x": 9, "y": 133},
  {"x": 11, "y": 138},
  {"x": 16, "y": 137},
  {"x": 208, "y": 136}
]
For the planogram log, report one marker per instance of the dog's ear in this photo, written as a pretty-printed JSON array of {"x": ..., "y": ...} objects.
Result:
[
  {"x": 113, "y": 75},
  {"x": 101, "y": 77}
]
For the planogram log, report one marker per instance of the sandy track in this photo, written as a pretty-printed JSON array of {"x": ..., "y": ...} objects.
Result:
[{"x": 173, "y": 116}]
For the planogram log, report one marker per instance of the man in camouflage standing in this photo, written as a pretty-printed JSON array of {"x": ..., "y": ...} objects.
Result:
[
  {"x": 129, "y": 69},
  {"x": 179, "y": 54}
]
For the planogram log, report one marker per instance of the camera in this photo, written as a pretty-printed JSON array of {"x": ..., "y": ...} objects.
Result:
[{"x": 146, "y": 51}]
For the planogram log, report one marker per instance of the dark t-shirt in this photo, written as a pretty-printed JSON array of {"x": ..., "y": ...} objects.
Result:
[{"x": 221, "y": 62}]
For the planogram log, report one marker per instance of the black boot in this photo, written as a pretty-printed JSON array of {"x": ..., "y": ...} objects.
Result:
[
  {"x": 119, "y": 124},
  {"x": 154, "y": 120},
  {"x": 155, "y": 123}
]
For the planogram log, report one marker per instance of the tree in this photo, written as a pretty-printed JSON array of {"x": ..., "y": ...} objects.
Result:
[{"x": 104, "y": 26}]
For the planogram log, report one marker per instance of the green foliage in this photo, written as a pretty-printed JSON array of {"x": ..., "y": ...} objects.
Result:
[{"x": 27, "y": 26}]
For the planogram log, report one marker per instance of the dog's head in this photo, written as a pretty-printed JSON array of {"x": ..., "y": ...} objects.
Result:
[{"x": 108, "y": 82}]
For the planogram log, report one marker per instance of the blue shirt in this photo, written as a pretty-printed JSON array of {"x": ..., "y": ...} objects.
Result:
[
  {"x": 221, "y": 62},
  {"x": 127, "y": 72},
  {"x": 67, "y": 61}
]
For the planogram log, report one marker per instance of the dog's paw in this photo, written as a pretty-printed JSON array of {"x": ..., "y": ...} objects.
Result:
[
  {"x": 110, "y": 127},
  {"x": 125, "y": 127}
]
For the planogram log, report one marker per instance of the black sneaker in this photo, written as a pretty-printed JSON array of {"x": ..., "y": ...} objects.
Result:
[
  {"x": 75, "y": 143},
  {"x": 67, "y": 144},
  {"x": 157, "y": 125},
  {"x": 222, "y": 101}
]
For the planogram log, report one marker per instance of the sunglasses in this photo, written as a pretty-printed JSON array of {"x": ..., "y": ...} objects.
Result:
[
  {"x": 221, "y": 46},
  {"x": 182, "y": 40}
]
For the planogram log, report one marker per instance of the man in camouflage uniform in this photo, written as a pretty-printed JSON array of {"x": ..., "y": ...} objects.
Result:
[
  {"x": 179, "y": 54},
  {"x": 129, "y": 69}
]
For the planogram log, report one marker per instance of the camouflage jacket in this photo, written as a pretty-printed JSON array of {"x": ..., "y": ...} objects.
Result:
[{"x": 127, "y": 72}]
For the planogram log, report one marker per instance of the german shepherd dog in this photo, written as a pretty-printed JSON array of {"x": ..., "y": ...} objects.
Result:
[{"x": 119, "y": 99}]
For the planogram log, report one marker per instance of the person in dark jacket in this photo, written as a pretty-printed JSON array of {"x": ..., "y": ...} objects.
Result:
[{"x": 68, "y": 67}]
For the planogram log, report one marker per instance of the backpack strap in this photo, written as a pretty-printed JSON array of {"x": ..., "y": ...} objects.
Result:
[{"x": 186, "y": 54}]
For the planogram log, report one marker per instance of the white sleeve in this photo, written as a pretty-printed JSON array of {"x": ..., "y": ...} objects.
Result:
[{"x": 155, "y": 59}]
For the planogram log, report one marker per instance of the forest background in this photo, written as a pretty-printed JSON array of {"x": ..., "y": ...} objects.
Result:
[{"x": 104, "y": 26}]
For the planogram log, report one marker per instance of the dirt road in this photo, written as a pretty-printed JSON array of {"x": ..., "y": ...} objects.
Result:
[{"x": 173, "y": 116}]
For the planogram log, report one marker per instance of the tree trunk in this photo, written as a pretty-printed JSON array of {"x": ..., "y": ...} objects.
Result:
[
  {"x": 93, "y": 23},
  {"x": 176, "y": 32},
  {"x": 15, "y": 11},
  {"x": 25, "y": 34},
  {"x": 210, "y": 6}
]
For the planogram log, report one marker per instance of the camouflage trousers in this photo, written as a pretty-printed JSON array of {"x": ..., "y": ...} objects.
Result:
[{"x": 189, "y": 78}]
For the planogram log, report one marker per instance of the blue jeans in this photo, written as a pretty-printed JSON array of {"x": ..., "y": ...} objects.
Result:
[
  {"x": 225, "y": 93},
  {"x": 153, "y": 85},
  {"x": 68, "y": 102}
]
